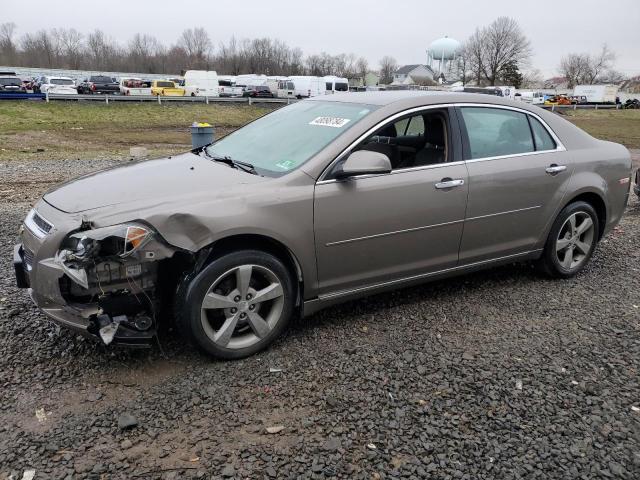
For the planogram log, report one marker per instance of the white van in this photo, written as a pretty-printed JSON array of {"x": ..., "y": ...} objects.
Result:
[
  {"x": 201, "y": 83},
  {"x": 305, "y": 87},
  {"x": 534, "y": 98},
  {"x": 335, "y": 84}
]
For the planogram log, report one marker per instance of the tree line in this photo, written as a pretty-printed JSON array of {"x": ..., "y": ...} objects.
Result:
[{"x": 68, "y": 48}]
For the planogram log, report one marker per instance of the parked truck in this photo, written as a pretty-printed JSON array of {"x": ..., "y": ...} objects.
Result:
[
  {"x": 596, "y": 94},
  {"x": 135, "y": 86},
  {"x": 99, "y": 84}
]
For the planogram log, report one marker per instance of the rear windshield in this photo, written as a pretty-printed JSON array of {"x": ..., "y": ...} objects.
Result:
[
  {"x": 101, "y": 79},
  {"x": 285, "y": 139},
  {"x": 165, "y": 84},
  {"x": 10, "y": 81},
  {"x": 61, "y": 81}
]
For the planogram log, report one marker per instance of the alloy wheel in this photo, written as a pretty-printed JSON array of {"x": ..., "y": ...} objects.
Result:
[
  {"x": 575, "y": 240},
  {"x": 242, "y": 306}
]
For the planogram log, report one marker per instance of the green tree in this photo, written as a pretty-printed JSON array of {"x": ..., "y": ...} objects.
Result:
[{"x": 510, "y": 75}]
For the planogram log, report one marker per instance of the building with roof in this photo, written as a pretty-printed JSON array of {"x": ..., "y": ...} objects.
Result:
[{"x": 413, "y": 75}]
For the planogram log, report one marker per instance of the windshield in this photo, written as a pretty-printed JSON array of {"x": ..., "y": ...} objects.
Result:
[
  {"x": 285, "y": 139},
  {"x": 10, "y": 81},
  {"x": 61, "y": 81}
]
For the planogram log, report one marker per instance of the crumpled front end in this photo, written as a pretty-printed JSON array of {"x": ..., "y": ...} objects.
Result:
[{"x": 102, "y": 282}]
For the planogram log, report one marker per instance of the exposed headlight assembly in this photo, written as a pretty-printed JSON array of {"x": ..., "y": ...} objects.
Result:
[{"x": 117, "y": 240}]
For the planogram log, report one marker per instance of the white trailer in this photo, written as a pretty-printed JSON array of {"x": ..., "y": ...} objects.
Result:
[
  {"x": 597, "y": 93},
  {"x": 251, "y": 80},
  {"x": 201, "y": 83},
  {"x": 285, "y": 88},
  {"x": 305, "y": 86}
]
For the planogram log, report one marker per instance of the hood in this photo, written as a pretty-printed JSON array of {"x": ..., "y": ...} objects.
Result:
[{"x": 143, "y": 182}]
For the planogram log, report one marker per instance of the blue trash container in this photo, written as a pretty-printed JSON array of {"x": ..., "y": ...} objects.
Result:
[{"x": 201, "y": 135}]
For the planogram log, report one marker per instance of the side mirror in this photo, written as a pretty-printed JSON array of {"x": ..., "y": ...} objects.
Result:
[{"x": 364, "y": 162}]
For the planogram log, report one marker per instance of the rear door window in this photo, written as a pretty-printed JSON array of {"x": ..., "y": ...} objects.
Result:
[
  {"x": 543, "y": 139},
  {"x": 494, "y": 132}
]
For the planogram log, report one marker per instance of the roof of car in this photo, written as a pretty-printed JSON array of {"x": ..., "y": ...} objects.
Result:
[{"x": 419, "y": 97}]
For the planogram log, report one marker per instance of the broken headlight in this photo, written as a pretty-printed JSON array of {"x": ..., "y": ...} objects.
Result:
[{"x": 118, "y": 240}]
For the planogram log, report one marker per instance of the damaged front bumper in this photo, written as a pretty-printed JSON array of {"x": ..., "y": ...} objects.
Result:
[{"x": 107, "y": 297}]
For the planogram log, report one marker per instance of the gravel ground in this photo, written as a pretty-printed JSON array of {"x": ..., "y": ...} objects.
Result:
[{"x": 500, "y": 374}]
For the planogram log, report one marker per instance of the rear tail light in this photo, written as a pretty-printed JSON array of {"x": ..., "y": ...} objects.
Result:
[{"x": 93, "y": 87}]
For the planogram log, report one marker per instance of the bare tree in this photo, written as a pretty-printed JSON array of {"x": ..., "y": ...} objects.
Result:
[
  {"x": 599, "y": 63},
  {"x": 532, "y": 78},
  {"x": 581, "y": 68},
  {"x": 574, "y": 67},
  {"x": 71, "y": 47},
  {"x": 503, "y": 44},
  {"x": 197, "y": 44},
  {"x": 388, "y": 66},
  {"x": 8, "y": 48},
  {"x": 473, "y": 52},
  {"x": 362, "y": 68}
]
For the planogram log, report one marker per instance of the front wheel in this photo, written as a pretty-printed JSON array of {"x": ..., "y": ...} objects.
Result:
[
  {"x": 238, "y": 304},
  {"x": 571, "y": 242}
]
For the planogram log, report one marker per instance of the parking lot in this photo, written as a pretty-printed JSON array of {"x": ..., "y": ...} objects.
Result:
[{"x": 500, "y": 374}]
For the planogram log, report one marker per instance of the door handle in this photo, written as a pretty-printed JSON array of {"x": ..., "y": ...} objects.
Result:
[
  {"x": 449, "y": 183},
  {"x": 554, "y": 169}
]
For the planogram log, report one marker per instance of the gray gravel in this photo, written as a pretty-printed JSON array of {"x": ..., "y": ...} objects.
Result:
[{"x": 500, "y": 374}]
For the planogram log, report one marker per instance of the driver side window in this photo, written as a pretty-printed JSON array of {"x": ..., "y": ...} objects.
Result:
[{"x": 414, "y": 141}]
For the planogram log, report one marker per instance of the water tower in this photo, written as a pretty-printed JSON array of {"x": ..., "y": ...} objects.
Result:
[{"x": 442, "y": 56}]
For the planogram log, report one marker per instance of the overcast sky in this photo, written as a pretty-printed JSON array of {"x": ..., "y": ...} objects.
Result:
[{"x": 401, "y": 28}]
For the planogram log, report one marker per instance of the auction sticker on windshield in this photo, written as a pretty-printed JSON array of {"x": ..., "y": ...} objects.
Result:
[{"x": 334, "y": 122}]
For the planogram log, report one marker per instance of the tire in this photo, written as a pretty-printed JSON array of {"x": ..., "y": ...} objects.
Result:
[
  {"x": 212, "y": 314},
  {"x": 568, "y": 249}
]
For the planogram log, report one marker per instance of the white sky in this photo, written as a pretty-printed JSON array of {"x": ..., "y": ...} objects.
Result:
[{"x": 401, "y": 28}]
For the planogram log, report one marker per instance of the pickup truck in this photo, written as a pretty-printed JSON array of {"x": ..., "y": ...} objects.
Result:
[
  {"x": 135, "y": 86},
  {"x": 166, "y": 88},
  {"x": 99, "y": 84}
]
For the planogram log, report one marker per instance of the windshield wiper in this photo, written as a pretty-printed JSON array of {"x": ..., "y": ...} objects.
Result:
[{"x": 244, "y": 166}]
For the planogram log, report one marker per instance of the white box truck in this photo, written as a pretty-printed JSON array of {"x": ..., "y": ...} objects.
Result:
[
  {"x": 597, "y": 93},
  {"x": 201, "y": 83}
]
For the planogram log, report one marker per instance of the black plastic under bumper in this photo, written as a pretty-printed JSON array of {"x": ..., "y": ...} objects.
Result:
[{"x": 22, "y": 279}]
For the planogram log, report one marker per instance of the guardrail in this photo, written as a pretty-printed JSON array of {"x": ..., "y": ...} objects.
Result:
[
  {"x": 582, "y": 107},
  {"x": 163, "y": 99}
]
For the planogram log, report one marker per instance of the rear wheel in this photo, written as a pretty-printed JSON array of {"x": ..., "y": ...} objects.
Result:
[
  {"x": 572, "y": 240},
  {"x": 238, "y": 304}
]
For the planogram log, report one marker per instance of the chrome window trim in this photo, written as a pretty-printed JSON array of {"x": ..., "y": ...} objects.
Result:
[{"x": 559, "y": 145}]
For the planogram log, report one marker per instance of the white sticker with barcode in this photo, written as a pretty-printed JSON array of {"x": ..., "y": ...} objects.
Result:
[{"x": 334, "y": 122}]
